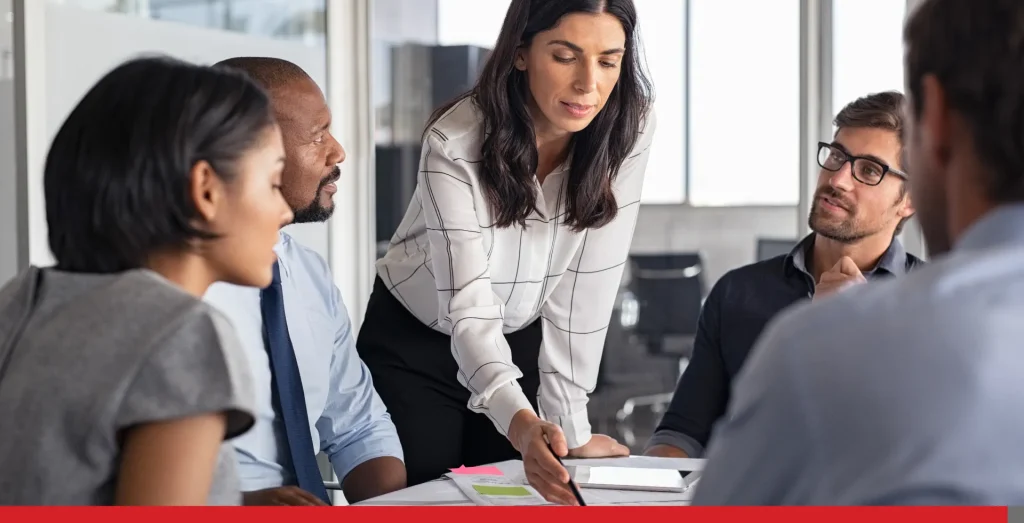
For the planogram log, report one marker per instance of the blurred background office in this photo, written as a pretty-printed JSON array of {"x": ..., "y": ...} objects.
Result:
[{"x": 745, "y": 90}]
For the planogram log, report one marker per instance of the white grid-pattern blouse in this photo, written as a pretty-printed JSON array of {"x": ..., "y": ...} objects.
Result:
[{"x": 464, "y": 277}]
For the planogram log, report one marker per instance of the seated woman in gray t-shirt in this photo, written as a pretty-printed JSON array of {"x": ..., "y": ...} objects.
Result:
[{"x": 117, "y": 384}]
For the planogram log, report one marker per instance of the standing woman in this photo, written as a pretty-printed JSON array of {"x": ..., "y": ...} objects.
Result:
[
  {"x": 117, "y": 384},
  {"x": 488, "y": 319}
]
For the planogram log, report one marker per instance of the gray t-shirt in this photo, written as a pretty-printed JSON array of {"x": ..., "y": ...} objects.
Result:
[{"x": 84, "y": 357}]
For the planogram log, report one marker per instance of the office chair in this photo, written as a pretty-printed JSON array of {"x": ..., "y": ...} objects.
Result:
[
  {"x": 669, "y": 289},
  {"x": 669, "y": 292}
]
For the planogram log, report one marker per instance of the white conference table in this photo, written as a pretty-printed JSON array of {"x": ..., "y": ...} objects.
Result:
[{"x": 443, "y": 492}]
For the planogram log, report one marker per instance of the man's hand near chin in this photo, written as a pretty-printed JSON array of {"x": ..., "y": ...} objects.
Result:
[{"x": 844, "y": 274}]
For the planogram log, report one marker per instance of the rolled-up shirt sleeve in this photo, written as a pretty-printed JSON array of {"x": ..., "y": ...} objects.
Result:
[
  {"x": 355, "y": 426},
  {"x": 577, "y": 313}
]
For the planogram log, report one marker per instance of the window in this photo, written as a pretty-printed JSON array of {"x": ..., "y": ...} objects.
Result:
[
  {"x": 867, "y": 48},
  {"x": 743, "y": 94},
  {"x": 744, "y": 106},
  {"x": 470, "y": 22},
  {"x": 660, "y": 22},
  {"x": 663, "y": 33},
  {"x": 280, "y": 19}
]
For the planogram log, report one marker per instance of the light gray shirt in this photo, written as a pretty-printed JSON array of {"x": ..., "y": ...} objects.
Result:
[
  {"x": 907, "y": 391},
  {"x": 83, "y": 357}
]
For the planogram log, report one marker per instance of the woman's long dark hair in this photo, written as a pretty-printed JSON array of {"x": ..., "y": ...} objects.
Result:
[{"x": 510, "y": 146}]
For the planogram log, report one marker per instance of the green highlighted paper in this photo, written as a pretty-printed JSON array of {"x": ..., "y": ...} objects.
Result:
[{"x": 497, "y": 490}]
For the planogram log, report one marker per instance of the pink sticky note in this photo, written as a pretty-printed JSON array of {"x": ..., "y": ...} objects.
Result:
[{"x": 488, "y": 470}]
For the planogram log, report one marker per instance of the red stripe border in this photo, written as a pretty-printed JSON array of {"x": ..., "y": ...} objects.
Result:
[{"x": 510, "y": 514}]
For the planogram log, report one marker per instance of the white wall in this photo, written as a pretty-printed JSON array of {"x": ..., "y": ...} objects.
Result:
[
  {"x": 725, "y": 236},
  {"x": 80, "y": 46}
]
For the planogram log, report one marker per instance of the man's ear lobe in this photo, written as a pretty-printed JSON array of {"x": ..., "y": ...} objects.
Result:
[{"x": 907, "y": 209}]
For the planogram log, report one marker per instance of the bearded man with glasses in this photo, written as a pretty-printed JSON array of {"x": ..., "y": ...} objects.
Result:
[{"x": 859, "y": 208}]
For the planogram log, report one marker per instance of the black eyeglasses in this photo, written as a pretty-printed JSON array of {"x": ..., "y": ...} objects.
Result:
[{"x": 868, "y": 171}]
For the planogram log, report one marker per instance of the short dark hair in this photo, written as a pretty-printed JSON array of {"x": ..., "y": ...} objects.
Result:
[
  {"x": 510, "y": 148},
  {"x": 879, "y": 111},
  {"x": 117, "y": 174},
  {"x": 875, "y": 111},
  {"x": 266, "y": 71},
  {"x": 975, "y": 51}
]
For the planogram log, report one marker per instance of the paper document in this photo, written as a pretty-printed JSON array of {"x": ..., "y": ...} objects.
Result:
[
  {"x": 639, "y": 462},
  {"x": 502, "y": 491}
]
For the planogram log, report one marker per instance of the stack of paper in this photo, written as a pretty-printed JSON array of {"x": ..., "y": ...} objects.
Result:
[{"x": 639, "y": 462}]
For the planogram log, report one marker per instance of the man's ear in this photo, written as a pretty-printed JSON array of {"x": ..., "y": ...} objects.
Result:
[{"x": 906, "y": 206}]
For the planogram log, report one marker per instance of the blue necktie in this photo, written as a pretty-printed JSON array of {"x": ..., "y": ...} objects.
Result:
[{"x": 286, "y": 390}]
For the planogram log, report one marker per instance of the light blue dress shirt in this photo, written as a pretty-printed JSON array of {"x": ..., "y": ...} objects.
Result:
[
  {"x": 907, "y": 391},
  {"x": 346, "y": 416}
]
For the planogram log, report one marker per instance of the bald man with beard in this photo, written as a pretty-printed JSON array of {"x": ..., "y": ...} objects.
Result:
[{"x": 313, "y": 392}]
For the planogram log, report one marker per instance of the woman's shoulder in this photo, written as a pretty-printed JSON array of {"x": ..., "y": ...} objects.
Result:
[
  {"x": 142, "y": 298},
  {"x": 460, "y": 128},
  {"x": 149, "y": 294},
  {"x": 645, "y": 134},
  {"x": 649, "y": 122}
]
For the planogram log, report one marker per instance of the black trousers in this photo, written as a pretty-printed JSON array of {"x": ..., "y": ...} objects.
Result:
[{"x": 414, "y": 372}]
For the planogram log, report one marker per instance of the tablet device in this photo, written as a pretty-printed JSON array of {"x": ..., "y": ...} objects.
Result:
[{"x": 625, "y": 478}]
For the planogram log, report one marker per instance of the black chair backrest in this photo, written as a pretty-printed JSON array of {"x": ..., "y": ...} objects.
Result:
[{"x": 670, "y": 289}]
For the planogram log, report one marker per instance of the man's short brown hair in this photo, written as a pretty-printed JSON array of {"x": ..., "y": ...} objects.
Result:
[
  {"x": 878, "y": 111},
  {"x": 975, "y": 49},
  {"x": 875, "y": 111}
]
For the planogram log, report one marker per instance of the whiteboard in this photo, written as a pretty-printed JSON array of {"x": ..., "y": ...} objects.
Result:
[{"x": 83, "y": 45}]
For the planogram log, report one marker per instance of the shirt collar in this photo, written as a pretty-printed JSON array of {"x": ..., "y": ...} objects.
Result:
[
  {"x": 797, "y": 258},
  {"x": 280, "y": 248},
  {"x": 1003, "y": 225},
  {"x": 893, "y": 260}
]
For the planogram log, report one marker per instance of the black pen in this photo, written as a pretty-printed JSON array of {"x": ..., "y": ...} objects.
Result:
[{"x": 572, "y": 484}]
